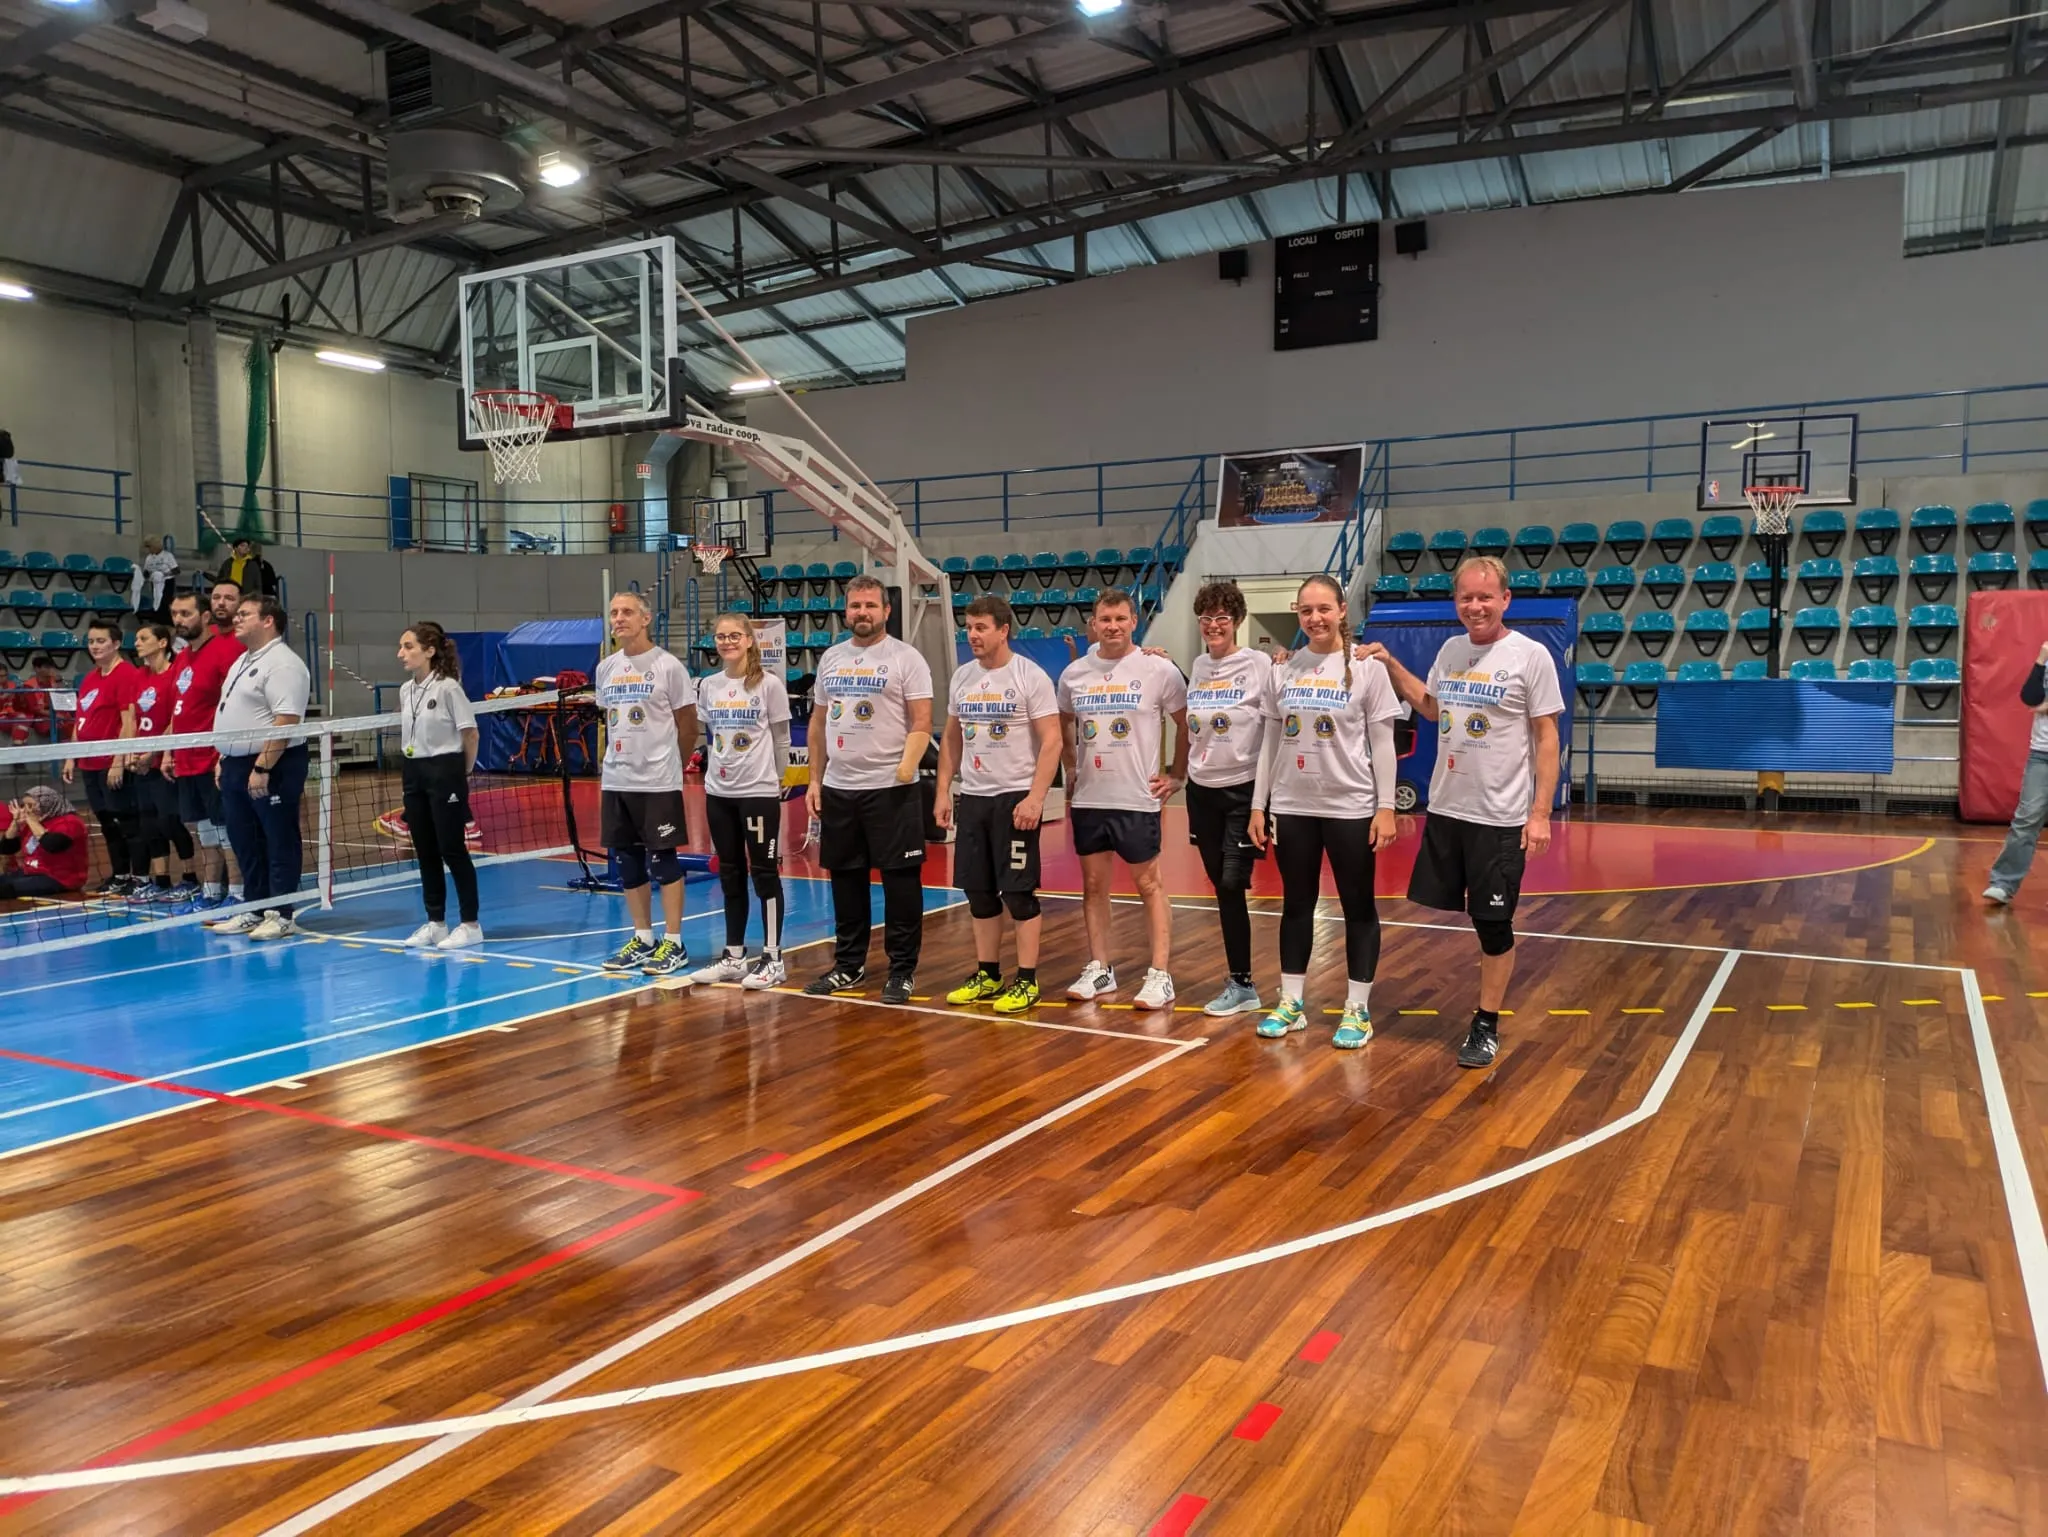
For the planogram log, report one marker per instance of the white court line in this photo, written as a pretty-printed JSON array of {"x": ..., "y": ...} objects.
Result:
[
  {"x": 2021, "y": 1205},
  {"x": 535, "y": 1405},
  {"x": 134, "y": 971}
]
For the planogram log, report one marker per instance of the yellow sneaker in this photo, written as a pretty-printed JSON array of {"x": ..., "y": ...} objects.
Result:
[
  {"x": 976, "y": 989},
  {"x": 1016, "y": 996}
]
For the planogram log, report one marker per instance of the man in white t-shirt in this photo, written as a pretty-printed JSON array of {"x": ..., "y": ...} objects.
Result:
[
  {"x": 871, "y": 720},
  {"x": 650, "y": 719},
  {"x": 1115, "y": 702},
  {"x": 1002, "y": 741},
  {"x": 2017, "y": 856},
  {"x": 1495, "y": 698}
]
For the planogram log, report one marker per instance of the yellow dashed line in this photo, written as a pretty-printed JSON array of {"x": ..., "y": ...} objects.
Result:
[
  {"x": 475, "y": 960},
  {"x": 568, "y": 971},
  {"x": 1410, "y": 1011},
  {"x": 1855, "y": 1005},
  {"x": 1994, "y": 997},
  {"x": 1642, "y": 1011},
  {"x": 1786, "y": 1008},
  {"x": 1572, "y": 1011},
  {"x": 349, "y": 944},
  {"x": 1722, "y": 1008},
  {"x": 520, "y": 965},
  {"x": 392, "y": 950},
  {"x": 2037, "y": 995},
  {"x": 1921, "y": 1003}
]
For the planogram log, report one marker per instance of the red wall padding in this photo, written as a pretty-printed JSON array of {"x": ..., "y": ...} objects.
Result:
[{"x": 2002, "y": 634}]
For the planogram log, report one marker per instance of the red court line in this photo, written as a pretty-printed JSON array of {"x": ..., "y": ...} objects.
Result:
[
  {"x": 390, "y": 1133},
  {"x": 766, "y": 1162},
  {"x": 1180, "y": 1515},
  {"x": 1319, "y": 1346},
  {"x": 1253, "y": 1426}
]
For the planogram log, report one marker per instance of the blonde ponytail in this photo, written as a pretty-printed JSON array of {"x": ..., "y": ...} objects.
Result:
[{"x": 754, "y": 670}]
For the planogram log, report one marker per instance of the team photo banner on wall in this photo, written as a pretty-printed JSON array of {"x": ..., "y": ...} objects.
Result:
[{"x": 1296, "y": 485}]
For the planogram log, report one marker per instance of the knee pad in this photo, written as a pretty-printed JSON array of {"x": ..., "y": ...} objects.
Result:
[
  {"x": 1022, "y": 904},
  {"x": 632, "y": 865},
  {"x": 664, "y": 866},
  {"x": 984, "y": 904},
  {"x": 768, "y": 885},
  {"x": 1496, "y": 935},
  {"x": 1236, "y": 874},
  {"x": 210, "y": 834}
]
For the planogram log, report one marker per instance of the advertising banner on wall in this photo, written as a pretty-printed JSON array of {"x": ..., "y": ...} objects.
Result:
[{"x": 1296, "y": 485}]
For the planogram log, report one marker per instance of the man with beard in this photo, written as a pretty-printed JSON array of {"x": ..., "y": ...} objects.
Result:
[{"x": 196, "y": 678}]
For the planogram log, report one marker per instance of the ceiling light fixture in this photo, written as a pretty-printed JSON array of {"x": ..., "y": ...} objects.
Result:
[
  {"x": 15, "y": 290},
  {"x": 1098, "y": 7},
  {"x": 355, "y": 360},
  {"x": 753, "y": 386},
  {"x": 559, "y": 168}
]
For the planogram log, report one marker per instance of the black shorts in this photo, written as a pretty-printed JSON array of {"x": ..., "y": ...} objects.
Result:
[
  {"x": 108, "y": 800},
  {"x": 1468, "y": 867},
  {"x": 198, "y": 799},
  {"x": 156, "y": 795},
  {"x": 1133, "y": 836},
  {"x": 1220, "y": 818},
  {"x": 643, "y": 819},
  {"x": 990, "y": 853},
  {"x": 871, "y": 829}
]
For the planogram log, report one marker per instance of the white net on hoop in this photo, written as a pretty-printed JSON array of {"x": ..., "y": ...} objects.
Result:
[
  {"x": 712, "y": 556},
  {"x": 1773, "y": 506},
  {"x": 514, "y": 427}
]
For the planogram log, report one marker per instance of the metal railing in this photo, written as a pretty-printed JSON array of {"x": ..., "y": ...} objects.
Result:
[
  {"x": 358, "y": 520},
  {"x": 72, "y": 493}
]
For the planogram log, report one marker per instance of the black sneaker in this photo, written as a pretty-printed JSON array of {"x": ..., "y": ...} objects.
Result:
[
  {"x": 1481, "y": 1045},
  {"x": 897, "y": 988},
  {"x": 835, "y": 981}
]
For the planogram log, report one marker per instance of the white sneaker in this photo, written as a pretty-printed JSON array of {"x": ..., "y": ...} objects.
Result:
[
  {"x": 1157, "y": 993},
  {"x": 426, "y": 936},
  {"x": 727, "y": 968},
  {"x": 1997, "y": 894},
  {"x": 241, "y": 923},
  {"x": 464, "y": 936},
  {"x": 766, "y": 972},
  {"x": 1096, "y": 981},
  {"x": 274, "y": 926}
]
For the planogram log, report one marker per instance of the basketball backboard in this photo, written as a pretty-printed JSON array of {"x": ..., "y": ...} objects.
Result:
[
  {"x": 596, "y": 330},
  {"x": 1817, "y": 452}
]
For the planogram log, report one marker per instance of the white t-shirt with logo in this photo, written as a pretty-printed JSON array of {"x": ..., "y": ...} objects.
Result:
[
  {"x": 740, "y": 757},
  {"x": 432, "y": 717},
  {"x": 995, "y": 708},
  {"x": 1325, "y": 763},
  {"x": 1487, "y": 695},
  {"x": 640, "y": 696},
  {"x": 1228, "y": 702},
  {"x": 1119, "y": 709},
  {"x": 865, "y": 692}
]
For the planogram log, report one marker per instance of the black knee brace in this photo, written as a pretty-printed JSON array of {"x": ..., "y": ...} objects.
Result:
[
  {"x": 632, "y": 865},
  {"x": 984, "y": 904},
  {"x": 1496, "y": 935},
  {"x": 662, "y": 862},
  {"x": 1022, "y": 904},
  {"x": 768, "y": 885}
]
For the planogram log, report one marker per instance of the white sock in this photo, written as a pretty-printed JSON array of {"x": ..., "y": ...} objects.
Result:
[
  {"x": 1358, "y": 992},
  {"x": 645, "y": 936},
  {"x": 737, "y": 952},
  {"x": 773, "y": 952},
  {"x": 216, "y": 888},
  {"x": 1292, "y": 984}
]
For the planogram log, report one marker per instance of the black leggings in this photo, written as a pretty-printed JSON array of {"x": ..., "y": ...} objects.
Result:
[
  {"x": 746, "y": 834},
  {"x": 902, "y": 918},
  {"x": 28, "y": 884},
  {"x": 1216, "y": 821},
  {"x": 156, "y": 797},
  {"x": 1300, "y": 843},
  {"x": 436, "y": 814},
  {"x": 114, "y": 808}
]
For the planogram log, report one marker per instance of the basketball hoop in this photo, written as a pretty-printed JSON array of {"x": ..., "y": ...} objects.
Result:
[
  {"x": 514, "y": 426},
  {"x": 711, "y": 556},
  {"x": 1773, "y": 507}
]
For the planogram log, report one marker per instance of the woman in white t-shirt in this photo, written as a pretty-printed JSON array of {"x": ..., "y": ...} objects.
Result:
[
  {"x": 744, "y": 713},
  {"x": 1230, "y": 694},
  {"x": 1327, "y": 770},
  {"x": 438, "y": 736}
]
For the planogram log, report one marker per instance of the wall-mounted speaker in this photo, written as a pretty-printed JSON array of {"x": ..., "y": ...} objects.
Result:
[
  {"x": 1233, "y": 266},
  {"x": 1412, "y": 238}
]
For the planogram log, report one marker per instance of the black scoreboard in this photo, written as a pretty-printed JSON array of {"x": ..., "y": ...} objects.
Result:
[{"x": 1326, "y": 287}]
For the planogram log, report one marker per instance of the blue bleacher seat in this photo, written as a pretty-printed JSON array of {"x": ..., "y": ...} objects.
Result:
[
  {"x": 1016, "y": 567},
  {"x": 1934, "y": 679},
  {"x": 116, "y": 603},
  {"x": 1699, "y": 672},
  {"x": 1390, "y": 587},
  {"x": 1138, "y": 561},
  {"x": 1024, "y": 601},
  {"x": 1436, "y": 584},
  {"x": 1820, "y": 579},
  {"x": 2037, "y": 568},
  {"x": 844, "y": 571},
  {"x": 1535, "y": 541},
  {"x": 1150, "y": 595},
  {"x": 40, "y": 567},
  {"x": 1817, "y": 628},
  {"x": 117, "y": 569},
  {"x": 1614, "y": 584},
  {"x": 1594, "y": 681},
  {"x": 27, "y": 603},
  {"x": 69, "y": 607},
  {"x": 1875, "y": 627},
  {"x": 1712, "y": 581},
  {"x": 1109, "y": 565},
  {"x": 1054, "y": 602},
  {"x": 1755, "y": 667},
  {"x": 1076, "y": 564},
  {"x": 1642, "y": 680},
  {"x": 1933, "y": 527},
  {"x": 706, "y": 643},
  {"x": 61, "y": 644},
  {"x": 1173, "y": 557},
  {"x": 793, "y": 574},
  {"x": 821, "y": 639},
  {"x": 1565, "y": 582},
  {"x": 1664, "y": 584},
  {"x": 80, "y": 569},
  {"x": 11, "y": 563},
  {"x": 1708, "y": 628},
  {"x": 1672, "y": 537},
  {"x": 1876, "y": 576},
  {"x": 1578, "y": 540},
  {"x": 1068, "y": 633},
  {"x": 1877, "y": 529},
  {"x": 743, "y": 604},
  {"x": 1757, "y": 576},
  {"x": 982, "y": 571},
  {"x": 1721, "y": 534},
  {"x": 1405, "y": 548},
  {"x": 1490, "y": 541},
  {"x": 1993, "y": 569},
  {"x": 1531, "y": 582},
  {"x": 1031, "y": 632},
  {"x": 1046, "y": 567},
  {"x": 960, "y": 601},
  {"x": 1933, "y": 625},
  {"x": 1448, "y": 546},
  {"x": 1754, "y": 626},
  {"x": 1989, "y": 524},
  {"x": 1603, "y": 632},
  {"x": 1625, "y": 539},
  {"x": 1872, "y": 669},
  {"x": 1084, "y": 600},
  {"x": 2036, "y": 520},
  {"x": 16, "y": 647},
  {"x": 1823, "y": 529},
  {"x": 1653, "y": 631},
  {"x": 1813, "y": 669},
  {"x": 1932, "y": 576},
  {"x": 823, "y": 603}
]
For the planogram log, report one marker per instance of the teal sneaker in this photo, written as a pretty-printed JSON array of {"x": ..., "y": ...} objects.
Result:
[
  {"x": 1286, "y": 1016},
  {"x": 1354, "y": 1029}
]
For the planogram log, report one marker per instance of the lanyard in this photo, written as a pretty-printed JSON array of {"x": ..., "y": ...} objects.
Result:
[
  {"x": 412, "y": 720},
  {"x": 248, "y": 665}
]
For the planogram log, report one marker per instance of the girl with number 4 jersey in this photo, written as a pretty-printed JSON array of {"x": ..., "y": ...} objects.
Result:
[{"x": 744, "y": 713}]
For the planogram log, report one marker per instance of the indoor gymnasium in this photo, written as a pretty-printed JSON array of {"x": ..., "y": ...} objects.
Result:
[{"x": 1083, "y": 767}]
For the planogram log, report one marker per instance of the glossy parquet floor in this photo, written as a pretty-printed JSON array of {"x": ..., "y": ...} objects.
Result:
[{"x": 1724, "y": 1243}]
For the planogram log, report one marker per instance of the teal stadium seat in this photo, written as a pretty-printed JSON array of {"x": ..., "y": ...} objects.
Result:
[
  {"x": 1876, "y": 576},
  {"x": 1023, "y": 600},
  {"x": 1820, "y": 579},
  {"x": 1076, "y": 564},
  {"x": 1448, "y": 546},
  {"x": 1873, "y": 669},
  {"x": 1672, "y": 537},
  {"x": 1594, "y": 681},
  {"x": 40, "y": 567},
  {"x": 1642, "y": 680},
  {"x": 842, "y": 637},
  {"x": 27, "y": 603},
  {"x": 1405, "y": 548},
  {"x": 1138, "y": 561},
  {"x": 960, "y": 601},
  {"x": 1566, "y": 582},
  {"x": 1932, "y": 625},
  {"x": 1934, "y": 679},
  {"x": 2036, "y": 520},
  {"x": 1812, "y": 670},
  {"x": 16, "y": 648},
  {"x": 1437, "y": 584},
  {"x": 1824, "y": 529},
  {"x": 1698, "y": 672},
  {"x": 118, "y": 570},
  {"x": 1755, "y": 667},
  {"x": 1490, "y": 541},
  {"x": 823, "y": 603},
  {"x": 1109, "y": 565},
  {"x": 114, "y": 603},
  {"x": 1989, "y": 524},
  {"x": 2037, "y": 568},
  {"x": 1653, "y": 631},
  {"x": 70, "y": 608},
  {"x": 1535, "y": 541},
  {"x": 1712, "y": 581},
  {"x": 1754, "y": 626},
  {"x": 1874, "y": 626},
  {"x": 1016, "y": 567},
  {"x": 11, "y": 563},
  {"x": 1817, "y": 628},
  {"x": 1721, "y": 534},
  {"x": 81, "y": 569},
  {"x": 1054, "y": 602},
  {"x": 1530, "y": 583},
  {"x": 743, "y": 604},
  {"x": 62, "y": 646},
  {"x": 982, "y": 571},
  {"x": 1603, "y": 632},
  {"x": 793, "y": 574},
  {"x": 1614, "y": 584},
  {"x": 1031, "y": 632},
  {"x": 1933, "y": 527},
  {"x": 1664, "y": 584},
  {"x": 1045, "y": 566},
  {"x": 1708, "y": 629},
  {"x": 1877, "y": 529},
  {"x": 1625, "y": 539},
  {"x": 1757, "y": 577},
  {"x": 1993, "y": 570},
  {"x": 1084, "y": 601},
  {"x": 1932, "y": 576},
  {"x": 1578, "y": 541},
  {"x": 843, "y": 571},
  {"x": 1390, "y": 587}
]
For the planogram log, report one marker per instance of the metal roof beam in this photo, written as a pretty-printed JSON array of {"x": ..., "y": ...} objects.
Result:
[
  {"x": 313, "y": 261},
  {"x": 2002, "y": 197},
  {"x": 1728, "y": 156},
  {"x": 27, "y": 46},
  {"x": 1798, "y": 16}
]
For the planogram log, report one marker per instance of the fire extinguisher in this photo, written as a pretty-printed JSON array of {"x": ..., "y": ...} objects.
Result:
[{"x": 618, "y": 517}]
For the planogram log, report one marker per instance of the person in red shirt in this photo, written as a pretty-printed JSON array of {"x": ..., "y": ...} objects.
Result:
[
  {"x": 197, "y": 674},
  {"x": 32, "y": 712},
  {"x": 106, "y": 713},
  {"x": 47, "y": 841},
  {"x": 156, "y": 791}
]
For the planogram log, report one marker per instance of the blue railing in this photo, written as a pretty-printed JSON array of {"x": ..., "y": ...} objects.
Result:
[
  {"x": 359, "y": 520},
  {"x": 1365, "y": 530},
  {"x": 1175, "y": 532},
  {"x": 74, "y": 493}
]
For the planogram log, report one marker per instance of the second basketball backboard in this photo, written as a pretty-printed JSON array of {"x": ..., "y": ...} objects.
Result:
[{"x": 1815, "y": 452}]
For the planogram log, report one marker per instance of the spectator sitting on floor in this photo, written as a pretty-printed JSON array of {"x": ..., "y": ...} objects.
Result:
[
  {"x": 248, "y": 570},
  {"x": 47, "y": 844}
]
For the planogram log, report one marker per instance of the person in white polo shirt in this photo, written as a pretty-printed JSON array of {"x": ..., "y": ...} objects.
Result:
[
  {"x": 438, "y": 737},
  {"x": 1115, "y": 702},
  {"x": 261, "y": 780},
  {"x": 1495, "y": 698},
  {"x": 871, "y": 720},
  {"x": 1002, "y": 742}
]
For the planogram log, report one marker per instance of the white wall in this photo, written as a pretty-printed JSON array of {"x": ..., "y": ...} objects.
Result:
[{"x": 1566, "y": 312}]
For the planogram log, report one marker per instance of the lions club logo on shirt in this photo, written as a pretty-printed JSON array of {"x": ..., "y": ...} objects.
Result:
[
  {"x": 1119, "y": 728},
  {"x": 1325, "y": 727},
  {"x": 1477, "y": 726},
  {"x": 864, "y": 710},
  {"x": 1220, "y": 724},
  {"x": 997, "y": 731}
]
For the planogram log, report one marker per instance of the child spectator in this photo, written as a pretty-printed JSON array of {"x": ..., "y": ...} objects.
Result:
[{"x": 155, "y": 581}]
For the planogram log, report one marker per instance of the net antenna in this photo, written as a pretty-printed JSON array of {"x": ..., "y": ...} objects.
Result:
[{"x": 514, "y": 426}]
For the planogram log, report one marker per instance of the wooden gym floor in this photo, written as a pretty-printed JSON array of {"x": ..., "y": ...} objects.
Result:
[{"x": 1724, "y": 1243}]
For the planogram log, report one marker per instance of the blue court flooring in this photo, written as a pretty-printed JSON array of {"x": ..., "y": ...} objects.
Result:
[{"x": 182, "y": 1006}]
